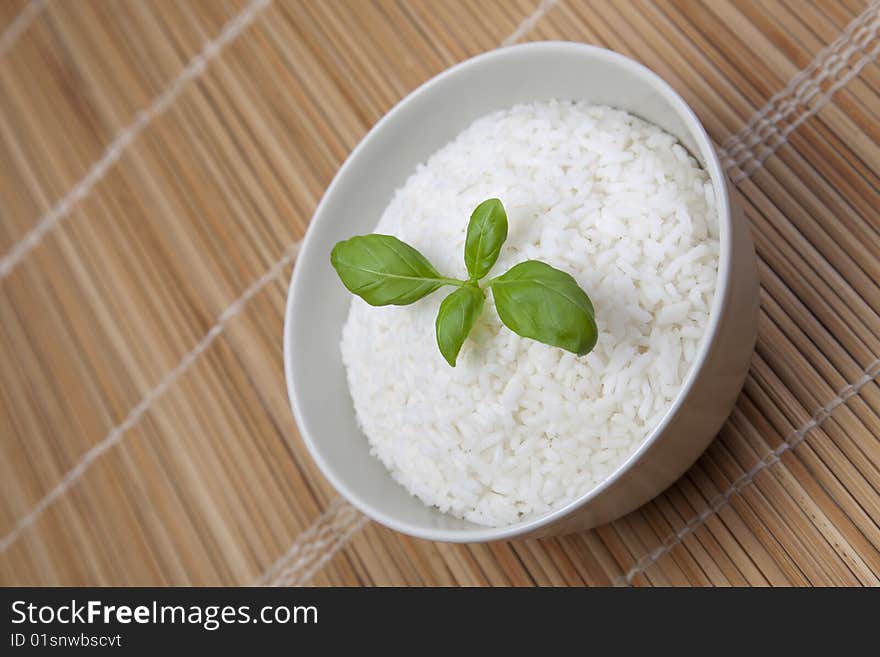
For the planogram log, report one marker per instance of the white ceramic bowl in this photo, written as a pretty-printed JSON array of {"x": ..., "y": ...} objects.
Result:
[{"x": 424, "y": 121}]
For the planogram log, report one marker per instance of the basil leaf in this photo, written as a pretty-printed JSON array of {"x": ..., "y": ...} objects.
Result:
[
  {"x": 457, "y": 316},
  {"x": 536, "y": 301},
  {"x": 383, "y": 271},
  {"x": 486, "y": 232}
]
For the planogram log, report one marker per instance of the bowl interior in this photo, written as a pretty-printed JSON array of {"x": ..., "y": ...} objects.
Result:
[{"x": 418, "y": 126}]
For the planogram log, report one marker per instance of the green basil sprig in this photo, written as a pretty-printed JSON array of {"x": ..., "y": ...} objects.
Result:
[{"x": 533, "y": 299}]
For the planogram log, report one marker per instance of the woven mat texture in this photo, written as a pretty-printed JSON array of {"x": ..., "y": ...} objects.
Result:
[{"x": 159, "y": 163}]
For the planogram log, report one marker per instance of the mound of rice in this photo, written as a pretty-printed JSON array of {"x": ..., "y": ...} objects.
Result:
[{"x": 519, "y": 428}]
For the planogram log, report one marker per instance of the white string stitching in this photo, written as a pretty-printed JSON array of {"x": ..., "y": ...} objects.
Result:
[
  {"x": 127, "y": 135},
  {"x": 331, "y": 530},
  {"x": 307, "y": 576},
  {"x": 529, "y": 22},
  {"x": 755, "y": 163},
  {"x": 20, "y": 24},
  {"x": 296, "y": 547},
  {"x": 117, "y": 433},
  {"x": 803, "y": 86},
  {"x": 717, "y": 503},
  {"x": 763, "y": 131}
]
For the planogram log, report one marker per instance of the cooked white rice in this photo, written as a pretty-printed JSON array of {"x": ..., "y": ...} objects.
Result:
[{"x": 519, "y": 428}]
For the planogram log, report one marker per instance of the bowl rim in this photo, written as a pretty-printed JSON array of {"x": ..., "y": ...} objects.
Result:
[{"x": 712, "y": 165}]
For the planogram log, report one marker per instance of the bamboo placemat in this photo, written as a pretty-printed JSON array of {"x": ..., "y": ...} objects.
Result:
[{"x": 160, "y": 162}]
